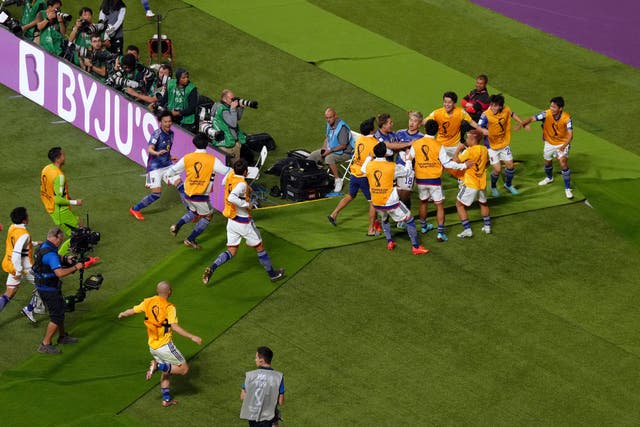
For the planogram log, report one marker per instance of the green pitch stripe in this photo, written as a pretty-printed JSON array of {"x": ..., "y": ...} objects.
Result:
[
  {"x": 112, "y": 356},
  {"x": 389, "y": 70}
]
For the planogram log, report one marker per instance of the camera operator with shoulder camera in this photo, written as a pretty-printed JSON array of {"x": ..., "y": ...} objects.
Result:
[
  {"x": 48, "y": 269},
  {"x": 156, "y": 90},
  {"x": 225, "y": 115},
  {"x": 131, "y": 74},
  {"x": 181, "y": 98},
  {"x": 52, "y": 25},
  {"x": 30, "y": 17},
  {"x": 84, "y": 28}
]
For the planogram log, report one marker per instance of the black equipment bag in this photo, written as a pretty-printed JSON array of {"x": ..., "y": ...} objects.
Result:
[
  {"x": 300, "y": 153},
  {"x": 258, "y": 140},
  {"x": 305, "y": 180}
]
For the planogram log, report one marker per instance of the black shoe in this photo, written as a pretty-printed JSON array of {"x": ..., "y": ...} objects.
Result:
[{"x": 277, "y": 275}]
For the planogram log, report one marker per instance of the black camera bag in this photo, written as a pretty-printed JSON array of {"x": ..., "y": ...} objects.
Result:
[{"x": 258, "y": 140}]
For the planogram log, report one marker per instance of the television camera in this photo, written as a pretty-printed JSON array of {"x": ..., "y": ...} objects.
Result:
[
  {"x": 6, "y": 20},
  {"x": 83, "y": 239}
]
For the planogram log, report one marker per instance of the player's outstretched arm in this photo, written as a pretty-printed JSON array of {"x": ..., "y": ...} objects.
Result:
[
  {"x": 177, "y": 328},
  {"x": 126, "y": 313}
]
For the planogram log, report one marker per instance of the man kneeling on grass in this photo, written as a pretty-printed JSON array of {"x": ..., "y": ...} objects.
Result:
[{"x": 160, "y": 319}]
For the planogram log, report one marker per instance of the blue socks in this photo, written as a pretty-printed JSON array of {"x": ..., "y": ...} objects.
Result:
[
  {"x": 466, "y": 224},
  {"x": 441, "y": 228},
  {"x": 549, "y": 171},
  {"x": 413, "y": 233},
  {"x": 187, "y": 217},
  {"x": 180, "y": 189},
  {"x": 4, "y": 300},
  {"x": 509, "y": 173},
  {"x": 222, "y": 258},
  {"x": 145, "y": 4},
  {"x": 494, "y": 180},
  {"x": 566, "y": 176},
  {"x": 487, "y": 220},
  {"x": 263, "y": 256},
  {"x": 166, "y": 393},
  {"x": 146, "y": 201},
  {"x": 386, "y": 228},
  {"x": 201, "y": 225}
]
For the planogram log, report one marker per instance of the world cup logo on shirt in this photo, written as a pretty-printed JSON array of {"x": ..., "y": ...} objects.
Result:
[
  {"x": 197, "y": 167},
  {"x": 359, "y": 152},
  {"x": 425, "y": 152},
  {"x": 377, "y": 175}
]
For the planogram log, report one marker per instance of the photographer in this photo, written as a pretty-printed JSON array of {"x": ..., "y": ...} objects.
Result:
[
  {"x": 131, "y": 74},
  {"x": 84, "y": 28},
  {"x": 181, "y": 98},
  {"x": 48, "y": 269},
  {"x": 30, "y": 17},
  {"x": 52, "y": 25},
  {"x": 96, "y": 63},
  {"x": 157, "y": 89},
  {"x": 225, "y": 114}
]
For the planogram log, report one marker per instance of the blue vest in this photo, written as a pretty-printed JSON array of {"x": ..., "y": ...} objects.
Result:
[
  {"x": 332, "y": 137},
  {"x": 45, "y": 279}
]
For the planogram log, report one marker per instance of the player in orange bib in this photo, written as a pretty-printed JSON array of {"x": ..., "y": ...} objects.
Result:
[
  {"x": 497, "y": 121},
  {"x": 557, "y": 133},
  {"x": 18, "y": 259},
  {"x": 240, "y": 225},
  {"x": 384, "y": 196},
  {"x": 475, "y": 182},
  {"x": 451, "y": 120},
  {"x": 429, "y": 158},
  {"x": 200, "y": 168},
  {"x": 161, "y": 320}
]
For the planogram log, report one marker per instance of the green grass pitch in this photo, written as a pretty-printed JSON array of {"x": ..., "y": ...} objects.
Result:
[{"x": 534, "y": 324}]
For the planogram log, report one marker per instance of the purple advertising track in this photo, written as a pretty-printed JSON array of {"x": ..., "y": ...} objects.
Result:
[
  {"x": 609, "y": 28},
  {"x": 87, "y": 104}
]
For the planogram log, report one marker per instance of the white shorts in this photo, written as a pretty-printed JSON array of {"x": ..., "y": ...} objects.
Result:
[
  {"x": 401, "y": 213},
  {"x": 430, "y": 193},
  {"x": 501, "y": 155},
  {"x": 236, "y": 231},
  {"x": 202, "y": 208},
  {"x": 468, "y": 195},
  {"x": 157, "y": 176},
  {"x": 168, "y": 353},
  {"x": 26, "y": 274},
  {"x": 551, "y": 151},
  {"x": 406, "y": 182}
]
